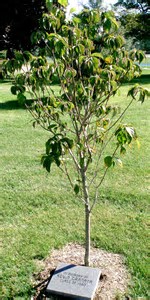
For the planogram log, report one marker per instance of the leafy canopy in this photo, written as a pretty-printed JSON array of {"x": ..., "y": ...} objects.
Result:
[{"x": 87, "y": 57}]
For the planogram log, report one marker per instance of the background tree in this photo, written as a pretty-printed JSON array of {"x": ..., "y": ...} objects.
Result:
[
  {"x": 18, "y": 19},
  {"x": 95, "y": 4},
  {"x": 135, "y": 20},
  {"x": 142, "y": 5},
  {"x": 81, "y": 118}
]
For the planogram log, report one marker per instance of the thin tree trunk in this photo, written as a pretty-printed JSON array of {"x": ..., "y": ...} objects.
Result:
[
  {"x": 87, "y": 217},
  {"x": 87, "y": 236}
]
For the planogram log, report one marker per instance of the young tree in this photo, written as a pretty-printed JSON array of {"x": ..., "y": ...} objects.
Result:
[{"x": 81, "y": 119}]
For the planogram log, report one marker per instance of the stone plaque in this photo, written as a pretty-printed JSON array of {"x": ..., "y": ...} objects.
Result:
[{"x": 74, "y": 281}]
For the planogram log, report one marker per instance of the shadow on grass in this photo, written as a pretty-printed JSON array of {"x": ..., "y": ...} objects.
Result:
[
  {"x": 143, "y": 79},
  {"x": 14, "y": 104},
  {"x": 2, "y": 80}
]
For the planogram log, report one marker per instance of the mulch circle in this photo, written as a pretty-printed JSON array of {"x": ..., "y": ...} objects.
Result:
[{"x": 113, "y": 283}]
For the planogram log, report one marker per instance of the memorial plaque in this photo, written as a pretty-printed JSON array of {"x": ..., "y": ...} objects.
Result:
[{"x": 74, "y": 281}]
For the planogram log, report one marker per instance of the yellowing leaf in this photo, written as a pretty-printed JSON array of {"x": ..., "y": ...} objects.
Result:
[
  {"x": 93, "y": 150},
  {"x": 108, "y": 60},
  {"x": 98, "y": 123},
  {"x": 138, "y": 143}
]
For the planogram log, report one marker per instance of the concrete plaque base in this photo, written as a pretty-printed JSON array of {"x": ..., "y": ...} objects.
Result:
[{"x": 73, "y": 281}]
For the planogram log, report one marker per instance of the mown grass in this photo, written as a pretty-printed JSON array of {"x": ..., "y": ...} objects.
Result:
[
  {"x": 146, "y": 60},
  {"x": 40, "y": 212}
]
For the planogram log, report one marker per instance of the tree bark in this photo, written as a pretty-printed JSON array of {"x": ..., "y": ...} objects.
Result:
[
  {"x": 87, "y": 217},
  {"x": 87, "y": 236}
]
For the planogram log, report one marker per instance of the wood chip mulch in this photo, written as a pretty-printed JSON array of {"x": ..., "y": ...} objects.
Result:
[{"x": 112, "y": 285}]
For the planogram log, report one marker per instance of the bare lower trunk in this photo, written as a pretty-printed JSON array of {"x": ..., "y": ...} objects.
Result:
[
  {"x": 87, "y": 218},
  {"x": 87, "y": 236}
]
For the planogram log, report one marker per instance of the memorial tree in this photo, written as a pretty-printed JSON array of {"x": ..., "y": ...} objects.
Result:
[{"x": 89, "y": 61}]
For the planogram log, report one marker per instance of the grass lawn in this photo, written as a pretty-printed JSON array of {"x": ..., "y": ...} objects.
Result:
[
  {"x": 146, "y": 60},
  {"x": 40, "y": 212}
]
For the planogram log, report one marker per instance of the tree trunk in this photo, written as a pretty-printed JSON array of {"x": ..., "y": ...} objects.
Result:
[
  {"x": 87, "y": 217},
  {"x": 87, "y": 236}
]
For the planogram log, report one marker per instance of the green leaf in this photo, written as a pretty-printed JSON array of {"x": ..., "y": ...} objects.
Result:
[
  {"x": 76, "y": 189},
  {"x": 19, "y": 56},
  {"x": 106, "y": 122},
  {"x": 68, "y": 141},
  {"x": 122, "y": 150},
  {"x": 140, "y": 55},
  {"x": 46, "y": 162},
  {"x": 27, "y": 56},
  {"x": 114, "y": 23},
  {"x": 133, "y": 91},
  {"x": 57, "y": 161},
  {"x": 63, "y": 2},
  {"x": 70, "y": 73},
  {"x": 107, "y": 25},
  {"x": 48, "y": 146},
  {"x": 94, "y": 80},
  {"x": 119, "y": 41},
  {"x": 52, "y": 127},
  {"x": 49, "y": 4},
  {"x": 121, "y": 135},
  {"x": 76, "y": 20},
  {"x": 81, "y": 49},
  {"x": 72, "y": 10},
  {"x": 97, "y": 54},
  {"x": 21, "y": 97},
  {"x": 108, "y": 160},
  {"x": 14, "y": 90},
  {"x": 113, "y": 85}
]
